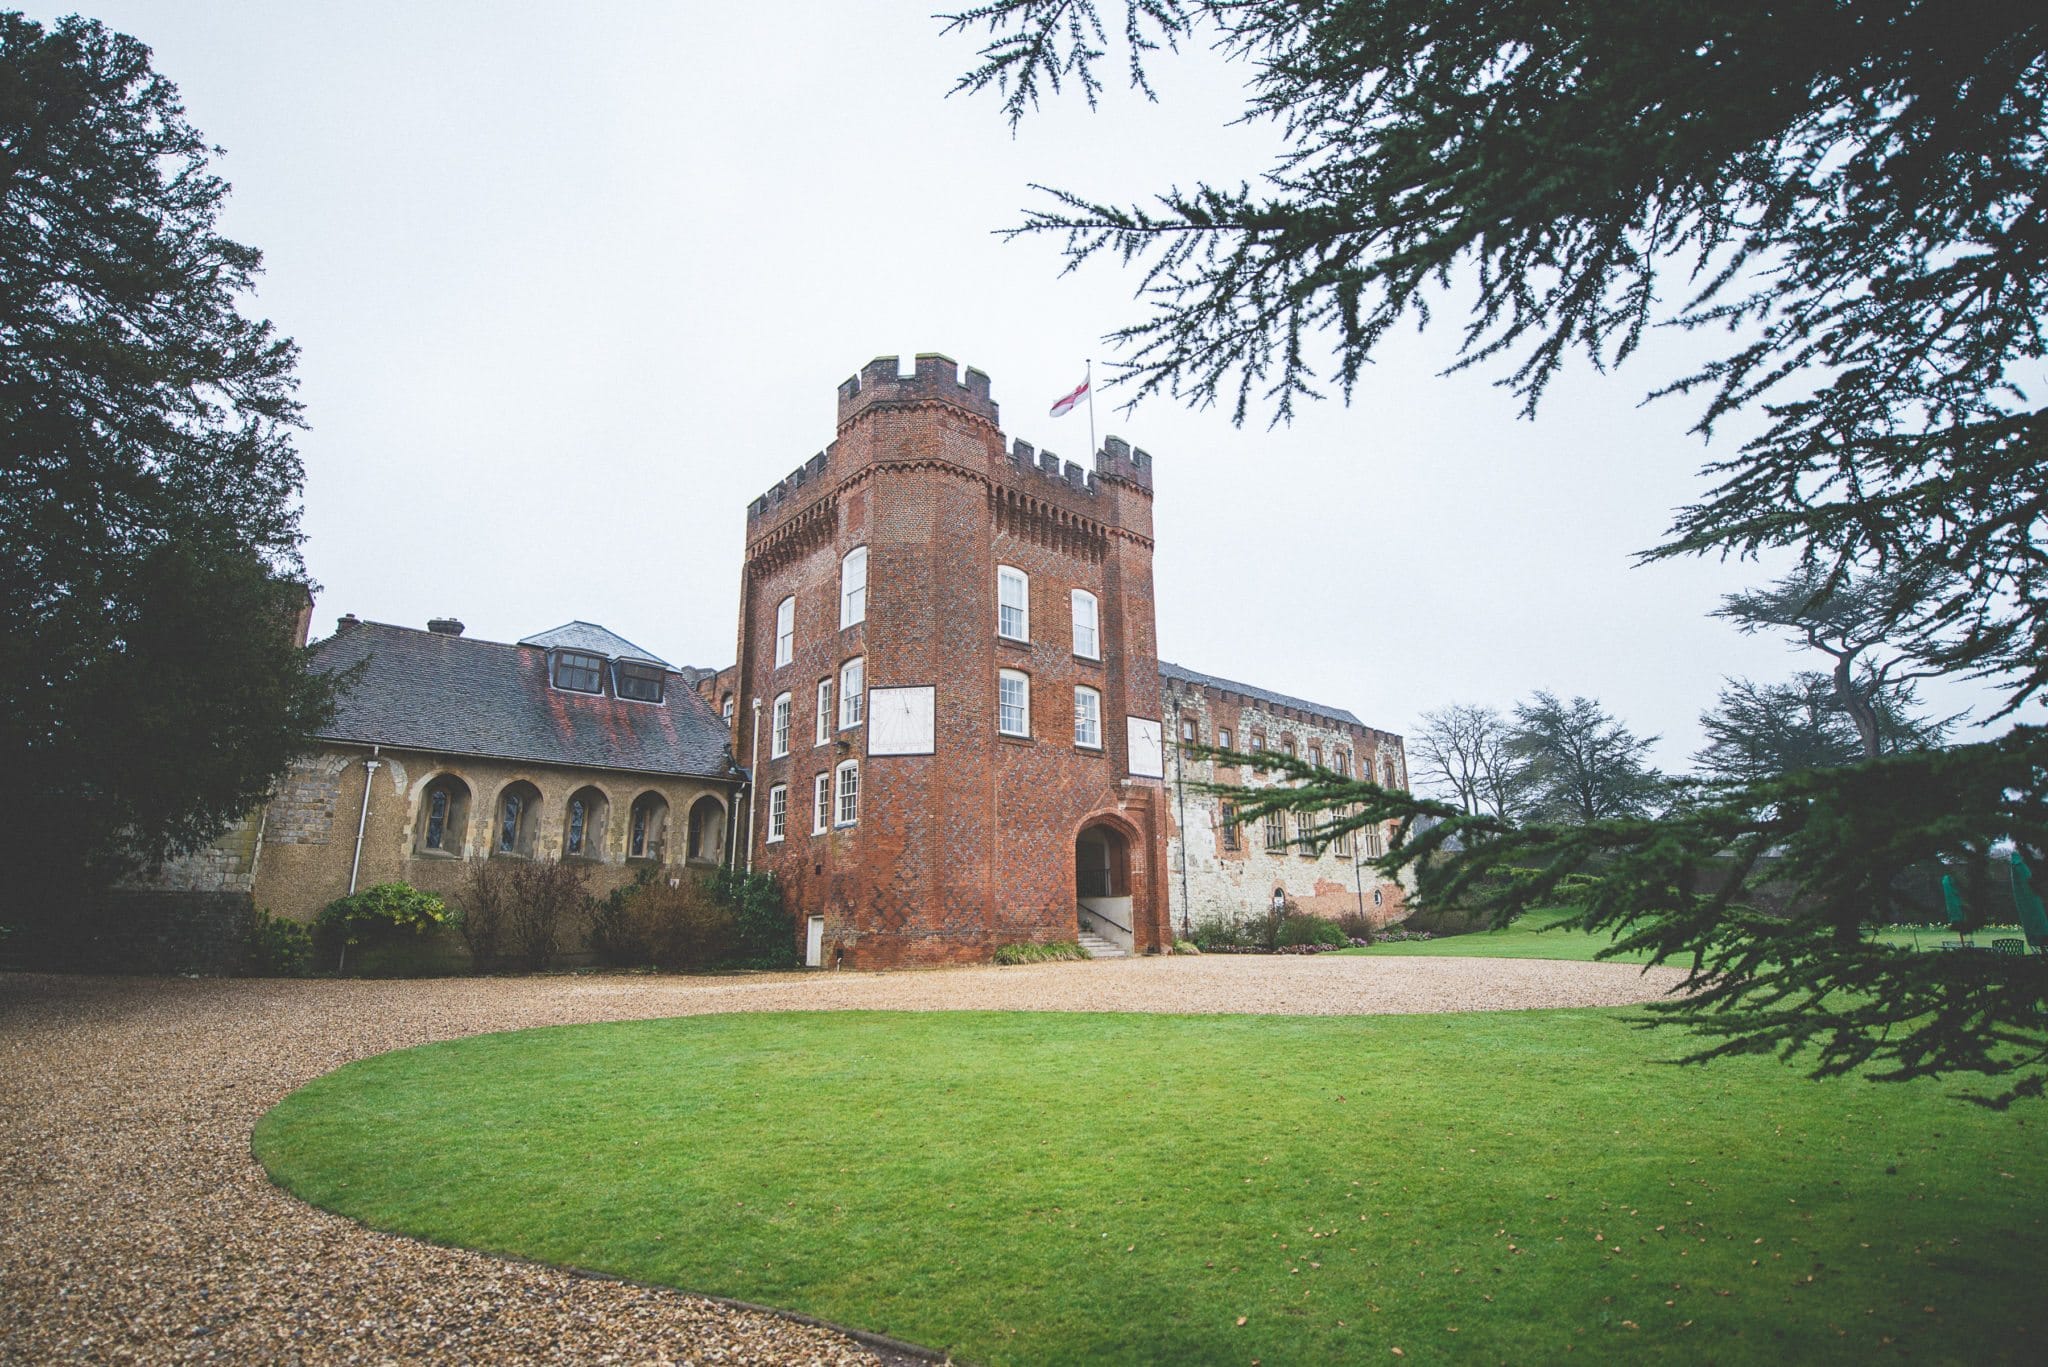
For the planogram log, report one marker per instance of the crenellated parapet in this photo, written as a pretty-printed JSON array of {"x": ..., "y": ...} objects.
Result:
[
  {"x": 937, "y": 380},
  {"x": 1103, "y": 494}
]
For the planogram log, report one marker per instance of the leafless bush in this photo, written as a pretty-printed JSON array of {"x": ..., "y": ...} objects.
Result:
[
  {"x": 543, "y": 893},
  {"x": 680, "y": 923},
  {"x": 481, "y": 913}
]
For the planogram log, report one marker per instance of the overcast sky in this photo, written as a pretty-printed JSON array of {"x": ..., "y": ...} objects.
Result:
[{"x": 574, "y": 283}]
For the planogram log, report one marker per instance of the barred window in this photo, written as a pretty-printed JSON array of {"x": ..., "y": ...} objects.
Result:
[
  {"x": 1230, "y": 832},
  {"x": 1276, "y": 831}
]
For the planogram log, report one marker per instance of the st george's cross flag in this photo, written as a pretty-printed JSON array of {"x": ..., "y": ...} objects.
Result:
[{"x": 1066, "y": 405}]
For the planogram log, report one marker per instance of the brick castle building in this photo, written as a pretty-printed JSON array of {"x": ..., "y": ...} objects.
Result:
[
  {"x": 949, "y": 697},
  {"x": 947, "y": 728}
]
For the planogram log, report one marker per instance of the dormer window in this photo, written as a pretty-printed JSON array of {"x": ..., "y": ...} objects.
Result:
[
  {"x": 579, "y": 673},
  {"x": 642, "y": 683}
]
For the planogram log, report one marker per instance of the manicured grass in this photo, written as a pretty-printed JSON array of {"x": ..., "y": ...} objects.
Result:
[
  {"x": 1528, "y": 937},
  {"x": 1537, "y": 936},
  {"x": 1037, "y": 1188}
]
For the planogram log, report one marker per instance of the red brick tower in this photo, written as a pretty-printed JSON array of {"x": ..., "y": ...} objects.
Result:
[{"x": 998, "y": 779}]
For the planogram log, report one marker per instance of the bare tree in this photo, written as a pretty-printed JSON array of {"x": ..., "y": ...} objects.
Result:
[{"x": 1462, "y": 750}]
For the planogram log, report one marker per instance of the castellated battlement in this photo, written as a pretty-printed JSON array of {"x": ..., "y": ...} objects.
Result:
[
  {"x": 937, "y": 379},
  {"x": 793, "y": 484}
]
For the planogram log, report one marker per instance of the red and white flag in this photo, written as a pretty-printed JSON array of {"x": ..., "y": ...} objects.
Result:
[{"x": 1066, "y": 405}]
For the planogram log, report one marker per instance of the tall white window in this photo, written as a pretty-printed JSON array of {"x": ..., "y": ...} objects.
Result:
[
  {"x": 849, "y": 793},
  {"x": 778, "y": 733},
  {"x": 821, "y": 804},
  {"x": 853, "y": 693},
  {"x": 785, "y": 632},
  {"x": 1013, "y": 603},
  {"x": 824, "y": 710},
  {"x": 1088, "y": 718},
  {"x": 778, "y": 812},
  {"x": 853, "y": 587},
  {"x": 1013, "y": 703},
  {"x": 1087, "y": 635}
]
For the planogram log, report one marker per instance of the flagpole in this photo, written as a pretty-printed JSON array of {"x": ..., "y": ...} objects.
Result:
[{"x": 1092, "y": 447}]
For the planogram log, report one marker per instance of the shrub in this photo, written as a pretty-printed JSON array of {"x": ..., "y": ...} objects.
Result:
[
  {"x": 375, "y": 916},
  {"x": 1185, "y": 947},
  {"x": 1034, "y": 953},
  {"x": 1301, "y": 929},
  {"x": 611, "y": 936},
  {"x": 540, "y": 893},
  {"x": 278, "y": 947},
  {"x": 480, "y": 919},
  {"x": 679, "y": 923},
  {"x": 1356, "y": 925},
  {"x": 764, "y": 933}
]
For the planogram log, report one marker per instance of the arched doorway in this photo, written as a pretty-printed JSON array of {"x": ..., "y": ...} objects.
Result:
[{"x": 1102, "y": 884}]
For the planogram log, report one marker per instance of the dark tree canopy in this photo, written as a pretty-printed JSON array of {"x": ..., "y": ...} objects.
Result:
[
  {"x": 150, "y": 688},
  {"x": 1758, "y": 732},
  {"x": 1853, "y": 191},
  {"x": 1576, "y": 764},
  {"x": 1853, "y": 194}
]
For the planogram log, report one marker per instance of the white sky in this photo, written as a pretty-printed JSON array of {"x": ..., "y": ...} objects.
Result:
[{"x": 574, "y": 283}]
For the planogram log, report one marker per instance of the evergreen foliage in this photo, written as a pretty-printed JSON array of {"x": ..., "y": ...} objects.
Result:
[
  {"x": 1576, "y": 764},
  {"x": 1763, "y": 731},
  {"x": 150, "y": 690},
  {"x": 1850, "y": 192}
]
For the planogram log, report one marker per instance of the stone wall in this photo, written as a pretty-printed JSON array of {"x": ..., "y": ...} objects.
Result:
[{"x": 1219, "y": 881}]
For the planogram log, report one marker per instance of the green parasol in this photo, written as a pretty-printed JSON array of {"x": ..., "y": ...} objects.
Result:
[
  {"x": 2033, "y": 916},
  {"x": 1958, "y": 919}
]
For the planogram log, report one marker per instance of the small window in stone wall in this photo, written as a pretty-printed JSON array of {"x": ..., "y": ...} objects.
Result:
[
  {"x": 518, "y": 806},
  {"x": 1276, "y": 831},
  {"x": 444, "y": 817},
  {"x": 647, "y": 831},
  {"x": 1230, "y": 829},
  {"x": 583, "y": 825},
  {"x": 1222, "y": 738}
]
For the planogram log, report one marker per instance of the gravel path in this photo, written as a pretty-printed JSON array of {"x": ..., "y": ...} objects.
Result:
[{"x": 135, "y": 1226}]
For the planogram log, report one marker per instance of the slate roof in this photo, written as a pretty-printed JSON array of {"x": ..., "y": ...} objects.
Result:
[
  {"x": 1183, "y": 674},
  {"x": 462, "y": 696},
  {"x": 594, "y": 639}
]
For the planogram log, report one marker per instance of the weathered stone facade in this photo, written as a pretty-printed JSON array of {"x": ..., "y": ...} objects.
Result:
[
  {"x": 1222, "y": 869},
  {"x": 298, "y": 877}
]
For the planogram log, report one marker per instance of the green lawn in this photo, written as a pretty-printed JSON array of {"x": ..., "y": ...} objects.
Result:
[
  {"x": 1037, "y": 1188},
  {"x": 1536, "y": 936}
]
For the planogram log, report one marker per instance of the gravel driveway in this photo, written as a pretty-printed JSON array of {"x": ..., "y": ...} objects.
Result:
[{"x": 134, "y": 1225}]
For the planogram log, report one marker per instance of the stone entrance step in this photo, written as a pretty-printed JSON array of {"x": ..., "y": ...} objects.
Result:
[{"x": 1095, "y": 947}]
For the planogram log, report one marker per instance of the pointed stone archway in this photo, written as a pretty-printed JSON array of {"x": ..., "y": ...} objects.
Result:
[{"x": 1118, "y": 892}]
